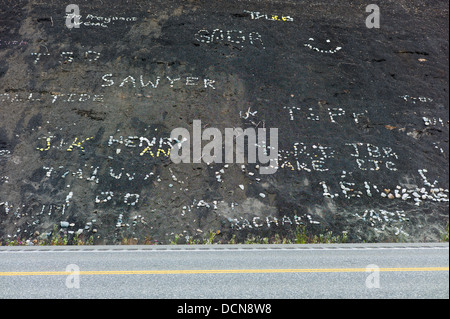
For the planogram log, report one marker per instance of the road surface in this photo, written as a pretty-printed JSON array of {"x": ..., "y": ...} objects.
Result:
[{"x": 226, "y": 271}]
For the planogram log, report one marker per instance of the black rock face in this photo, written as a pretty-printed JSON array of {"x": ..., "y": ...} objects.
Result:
[{"x": 88, "y": 104}]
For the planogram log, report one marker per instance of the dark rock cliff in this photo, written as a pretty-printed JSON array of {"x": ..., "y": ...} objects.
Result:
[{"x": 86, "y": 115}]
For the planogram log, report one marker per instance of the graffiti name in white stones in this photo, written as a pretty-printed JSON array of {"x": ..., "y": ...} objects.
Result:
[
  {"x": 91, "y": 174},
  {"x": 306, "y": 158},
  {"x": 237, "y": 37},
  {"x": 314, "y": 113},
  {"x": 50, "y": 97},
  {"x": 154, "y": 147},
  {"x": 66, "y": 57},
  {"x": 154, "y": 82},
  {"x": 375, "y": 217},
  {"x": 98, "y": 21},
  {"x": 309, "y": 158},
  {"x": 414, "y": 100},
  {"x": 77, "y": 143},
  {"x": 256, "y": 222},
  {"x": 4, "y": 43},
  {"x": 350, "y": 189},
  {"x": 146, "y": 146},
  {"x": 382, "y": 220},
  {"x": 255, "y": 15},
  {"x": 372, "y": 157}
]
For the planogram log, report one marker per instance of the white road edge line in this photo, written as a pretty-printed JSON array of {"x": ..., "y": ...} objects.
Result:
[{"x": 214, "y": 250}]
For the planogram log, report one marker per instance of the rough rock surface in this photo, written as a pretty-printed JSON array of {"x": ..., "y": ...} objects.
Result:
[{"x": 86, "y": 113}]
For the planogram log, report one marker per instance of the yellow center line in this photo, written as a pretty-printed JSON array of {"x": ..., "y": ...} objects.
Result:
[{"x": 214, "y": 271}]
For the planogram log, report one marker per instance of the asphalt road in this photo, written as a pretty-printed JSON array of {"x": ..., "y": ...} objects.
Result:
[{"x": 228, "y": 271}]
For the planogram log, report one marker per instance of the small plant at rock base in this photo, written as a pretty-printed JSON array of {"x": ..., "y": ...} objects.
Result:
[
  {"x": 148, "y": 241},
  {"x": 190, "y": 240},
  {"x": 56, "y": 239},
  {"x": 175, "y": 240},
  {"x": 300, "y": 235},
  {"x": 90, "y": 241},
  {"x": 208, "y": 239},
  {"x": 16, "y": 242},
  {"x": 344, "y": 237},
  {"x": 77, "y": 240},
  {"x": 445, "y": 236},
  {"x": 250, "y": 240},
  {"x": 277, "y": 239}
]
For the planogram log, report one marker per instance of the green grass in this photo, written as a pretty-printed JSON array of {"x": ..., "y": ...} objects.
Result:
[{"x": 445, "y": 236}]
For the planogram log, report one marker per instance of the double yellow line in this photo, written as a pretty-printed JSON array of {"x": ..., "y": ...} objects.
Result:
[{"x": 215, "y": 271}]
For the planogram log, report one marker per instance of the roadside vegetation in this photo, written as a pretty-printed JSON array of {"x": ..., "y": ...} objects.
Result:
[
  {"x": 445, "y": 236},
  {"x": 299, "y": 236},
  {"x": 55, "y": 239}
]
